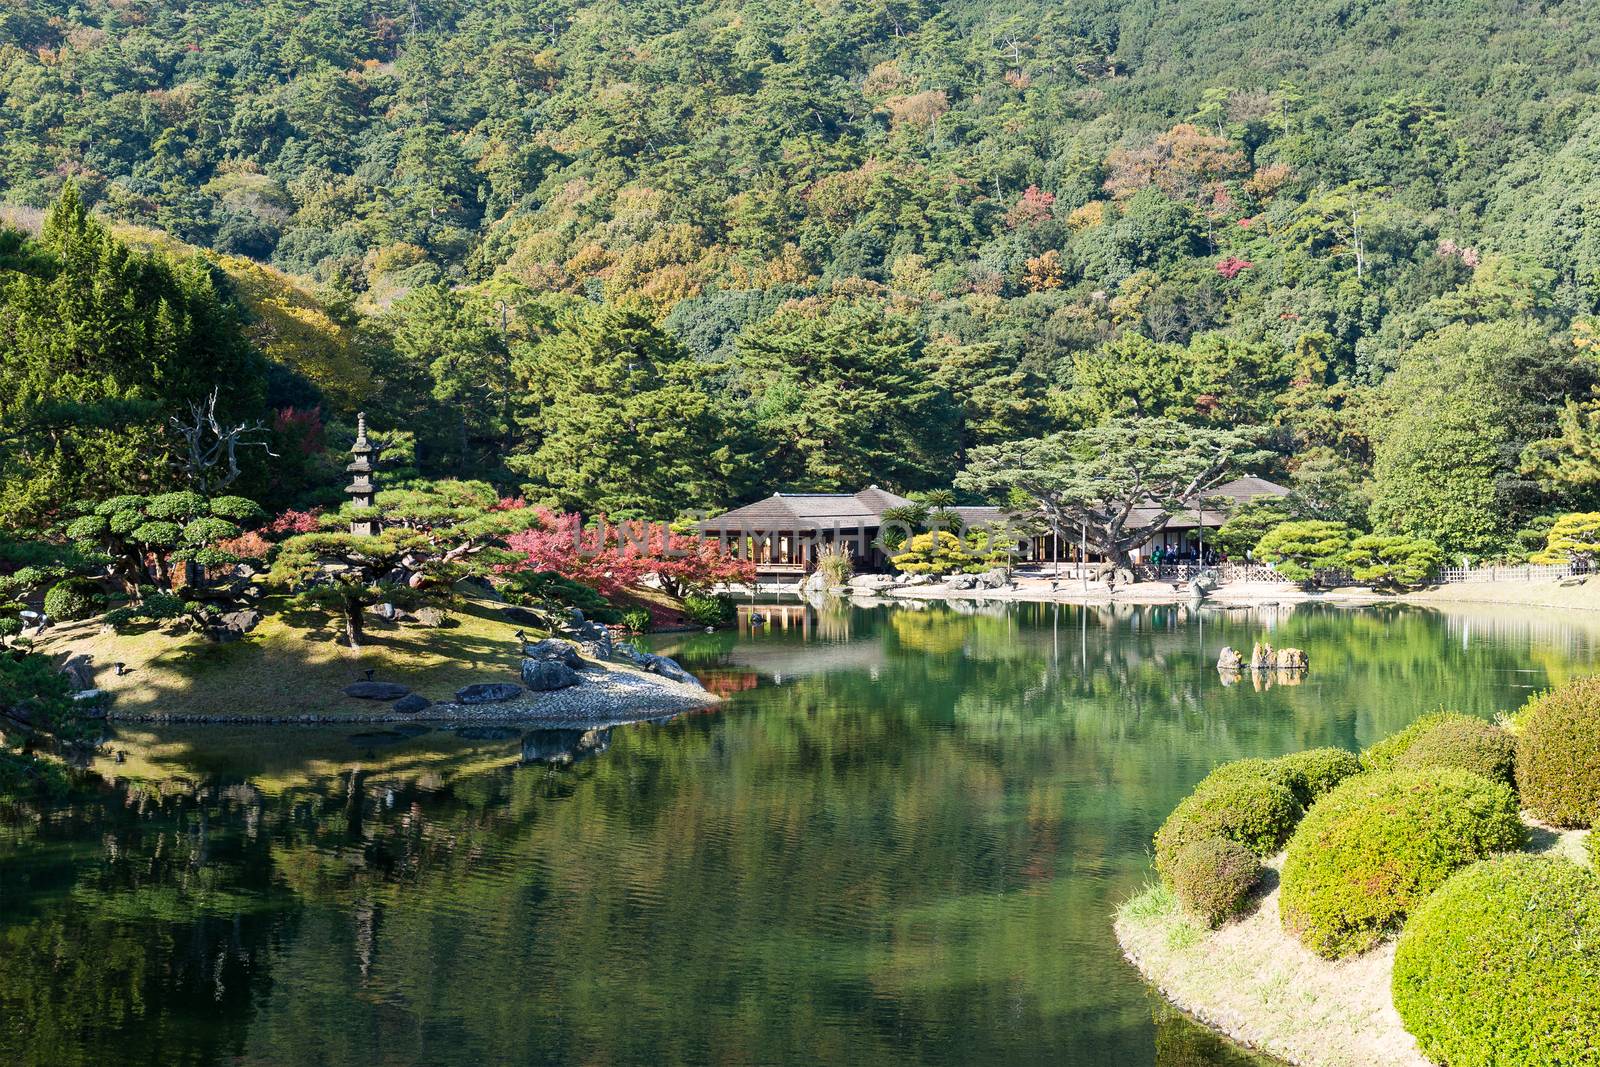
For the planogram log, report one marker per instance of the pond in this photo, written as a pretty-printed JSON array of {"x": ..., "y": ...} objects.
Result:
[{"x": 899, "y": 842}]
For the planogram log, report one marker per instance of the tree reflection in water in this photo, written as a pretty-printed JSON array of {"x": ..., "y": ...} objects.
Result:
[{"x": 906, "y": 851}]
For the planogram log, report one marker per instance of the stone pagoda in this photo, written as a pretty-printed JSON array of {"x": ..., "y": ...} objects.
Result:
[{"x": 361, "y": 489}]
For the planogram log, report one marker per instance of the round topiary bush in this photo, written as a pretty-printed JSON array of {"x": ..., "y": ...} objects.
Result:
[
  {"x": 1470, "y": 744},
  {"x": 1248, "y": 802},
  {"x": 1372, "y": 849},
  {"x": 1501, "y": 965},
  {"x": 1558, "y": 753},
  {"x": 1383, "y": 754},
  {"x": 72, "y": 599},
  {"x": 1213, "y": 877},
  {"x": 1315, "y": 771}
]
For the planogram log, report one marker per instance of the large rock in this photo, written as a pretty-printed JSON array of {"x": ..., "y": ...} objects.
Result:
[
  {"x": 1292, "y": 659},
  {"x": 962, "y": 581},
  {"x": 996, "y": 578},
  {"x": 594, "y": 639},
  {"x": 1262, "y": 658},
  {"x": 412, "y": 703},
  {"x": 816, "y": 582},
  {"x": 668, "y": 667},
  {"x": 871, "y": 582},
  {"x": 488, "y": 693},
  {"x": 543, "y": 675},
  {"x": 79, "y": 672},
  {"x": 559, "y": 651},
  {"x": 238, "y": 623},
  {"x": 523, "y": 616},
  {"x": 376, "y": 690},
  {"x": 433, "y": 618},
  {"x": 1230, "y": 660}
]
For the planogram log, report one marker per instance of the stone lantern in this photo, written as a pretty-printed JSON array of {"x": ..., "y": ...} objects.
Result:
[{"x": 361, "y": 489}]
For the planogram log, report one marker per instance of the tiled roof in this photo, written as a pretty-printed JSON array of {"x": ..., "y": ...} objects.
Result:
[
  {"x": 810, "y": 511},
  {"x": 824, "y": 511},
  {"x": 1224, "y": 498}
]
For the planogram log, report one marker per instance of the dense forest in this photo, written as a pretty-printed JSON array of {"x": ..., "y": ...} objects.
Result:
[{"x": 642, "y": 258}]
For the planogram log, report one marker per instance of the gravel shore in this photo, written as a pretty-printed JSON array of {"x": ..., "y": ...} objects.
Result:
[{"x": 608, "y": 694}]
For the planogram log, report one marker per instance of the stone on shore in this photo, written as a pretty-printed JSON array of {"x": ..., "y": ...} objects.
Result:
[
  {"x": 551, "y": 649},
  {"x": 668, "y": 667},
  {"x": 995, "y": 578},
  {"x": 412, "y": 703},
  {"x": 488, "y": 693},
  {"x": 543, "y": 675},
  {"x": 962, "y": 581},
  {"x": 376, "y": 691}
]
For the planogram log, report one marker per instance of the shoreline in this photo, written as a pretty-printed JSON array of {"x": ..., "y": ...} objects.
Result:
[
  {"x": 1566, "y": 594},
  {"x": 1262, "y": 989},
  {"x": 609, "y": 695}
]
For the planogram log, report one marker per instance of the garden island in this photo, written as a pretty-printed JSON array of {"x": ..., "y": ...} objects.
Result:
[{"x": 769, "y": 532}]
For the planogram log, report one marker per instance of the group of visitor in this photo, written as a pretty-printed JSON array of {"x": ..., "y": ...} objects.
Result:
[{"x": 1171, "y": 555}]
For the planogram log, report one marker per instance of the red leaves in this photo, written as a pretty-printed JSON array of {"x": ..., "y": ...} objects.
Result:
[
  {"x": 1233, "y": 266},
  {"x": 614, "y": 556}
]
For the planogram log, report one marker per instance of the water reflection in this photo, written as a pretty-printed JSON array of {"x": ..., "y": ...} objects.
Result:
[{"x": 899, "y": 843}]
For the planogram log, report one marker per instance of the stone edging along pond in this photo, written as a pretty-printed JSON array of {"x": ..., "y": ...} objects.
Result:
[{"x": 1255, "y": 983}]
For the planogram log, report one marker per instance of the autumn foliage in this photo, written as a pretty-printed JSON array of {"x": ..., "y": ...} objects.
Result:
[{"x": 612, "y": 557}]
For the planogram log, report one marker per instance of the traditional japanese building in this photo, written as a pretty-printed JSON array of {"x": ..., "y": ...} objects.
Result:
[{"x": 1187, "y": 531}]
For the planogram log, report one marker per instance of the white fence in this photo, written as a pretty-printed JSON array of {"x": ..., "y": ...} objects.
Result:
[
  {"x": 1527, "y": 572},
  {"x": 1334, "y": 577}
]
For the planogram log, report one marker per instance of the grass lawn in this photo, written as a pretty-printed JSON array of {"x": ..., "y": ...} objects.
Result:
[{"x": 294, "y": 663}]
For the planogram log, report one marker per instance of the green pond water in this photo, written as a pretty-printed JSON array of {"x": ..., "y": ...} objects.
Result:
[{"x": 899, "y": 842}]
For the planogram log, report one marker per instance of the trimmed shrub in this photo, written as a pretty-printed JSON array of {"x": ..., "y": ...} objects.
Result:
[
  {"x": 73, "y": 599},
  {"x": 1249, "y": 802},
  {"x": 1213, "y": 877},
  {"x": 708, "y": 610},
  {"x": 1372, "y": 849},
  {"x": 1470, "y": 744},
  {"x": 1558, "y": 753},
  {"x": 1315, "y": 771},
  {"x": 1385, "y": 752},
  {"x": 1499, "y": 966}
]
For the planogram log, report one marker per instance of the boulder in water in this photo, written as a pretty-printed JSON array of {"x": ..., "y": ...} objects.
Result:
[
  {"x": 1262, "y": 658},
  {"x": 1229, "y": 659},
  {"x": 1292, "y": 659}
]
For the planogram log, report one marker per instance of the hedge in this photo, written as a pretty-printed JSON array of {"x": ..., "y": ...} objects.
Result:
[
  {"x": 73, "y": 599},
  {"x": 1213, "y": 877},
  {"x": 1502, "y": 965},
  {"x": 1464, "y": 742},
  {"x": 1558, "y": 754},
  {"x": 1315, "y": 771},
  {"x": 1376, "y": 846},
  {"x": 1249, "y": 802},
  {"x": 1384, "y": 754}
]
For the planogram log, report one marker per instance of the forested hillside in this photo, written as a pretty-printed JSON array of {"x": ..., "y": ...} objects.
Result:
[{"x": 651, "y": 256}]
